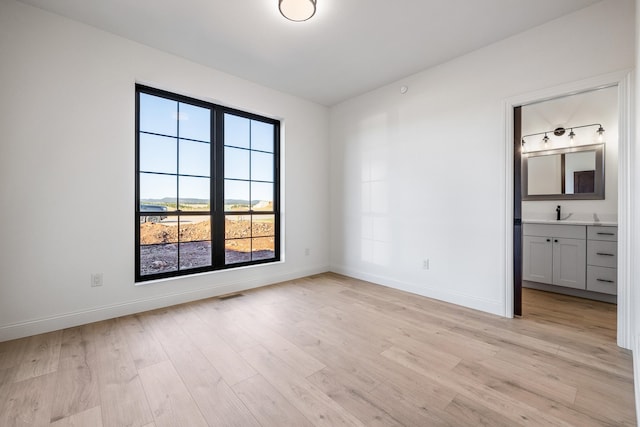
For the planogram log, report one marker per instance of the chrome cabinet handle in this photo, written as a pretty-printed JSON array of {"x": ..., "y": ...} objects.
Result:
[
  {"x": 604, "y": 280},
  {"x": 606, "y": 234},
  {"x": 604, "y": 254}
]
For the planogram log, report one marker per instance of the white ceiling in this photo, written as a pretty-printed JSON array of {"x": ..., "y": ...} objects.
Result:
[{"x": 349, "y": 47}]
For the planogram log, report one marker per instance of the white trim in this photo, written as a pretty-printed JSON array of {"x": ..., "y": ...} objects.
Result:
[
  {"x": 493, "y": 306},
  {"x": 625, "y": 165},
  {"x": 636, "y": 367},
  {"x": 83, "y": 317},
  {"x": 625, "y": 209}
]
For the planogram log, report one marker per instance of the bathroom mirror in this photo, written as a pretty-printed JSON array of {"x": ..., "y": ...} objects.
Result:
[{"x": 572, "y": 173}]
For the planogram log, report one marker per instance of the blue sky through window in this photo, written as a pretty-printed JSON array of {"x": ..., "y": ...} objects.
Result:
[{"x": 175, "y": 139}]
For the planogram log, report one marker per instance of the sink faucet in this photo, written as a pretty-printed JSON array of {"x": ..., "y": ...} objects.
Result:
[{"x": 558, "y": 213}]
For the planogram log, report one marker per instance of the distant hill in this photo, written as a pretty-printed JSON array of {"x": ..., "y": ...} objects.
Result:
[
  {"x": 173, "y": 200},
  {"x": 240, "y": 202},
  {"x": 200, "y": 201}
]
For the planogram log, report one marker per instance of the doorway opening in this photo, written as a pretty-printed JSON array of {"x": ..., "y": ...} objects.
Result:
[{"x": 556, "y": 109}]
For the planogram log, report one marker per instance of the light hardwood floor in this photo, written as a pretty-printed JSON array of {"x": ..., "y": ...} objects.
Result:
[{"x": 328, "y": 351}]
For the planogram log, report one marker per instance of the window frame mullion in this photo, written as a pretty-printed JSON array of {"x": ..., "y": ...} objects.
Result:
[{"x": 218, "y": 215}]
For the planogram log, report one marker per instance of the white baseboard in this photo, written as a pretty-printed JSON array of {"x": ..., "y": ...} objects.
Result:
[
  {"x": 482, "y": 304},
  {"x": 636, "y": 374},
  {"x": 95, "y": 314},
  {"x": 597, "y": 296}
]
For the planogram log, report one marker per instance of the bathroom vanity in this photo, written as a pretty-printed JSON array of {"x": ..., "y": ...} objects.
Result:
[{"x": 574, "y": 258}]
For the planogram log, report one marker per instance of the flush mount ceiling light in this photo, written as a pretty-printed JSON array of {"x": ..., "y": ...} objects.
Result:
[{"x": 297, "y": 10}]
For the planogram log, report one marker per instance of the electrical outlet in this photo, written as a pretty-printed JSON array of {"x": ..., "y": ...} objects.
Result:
[
  {"x": 96, "y": 279},
  {"x": 425, "y": 264}
]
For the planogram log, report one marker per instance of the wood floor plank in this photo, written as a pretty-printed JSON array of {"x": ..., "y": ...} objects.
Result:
[
  {"x": 475, "y": 383},
  {"x": 221, "y": 355},
  {"x": 308, "y": 399},
  {"x": 450, "y": 343},
  {"x": 216, "y": 401},
  {"x": 231, "y": 366},
  {"x": 341, "y": 359},
  {"x": 29, "y": 402},
  {"x": 77, "y": 388},
  {"x": 267, "y": 404},
  {"x": 568, "y": 371},
  {"x": 144, "y": 348},
  {"x": 215, "y": 398},
  {"x": 12, "y": 353},
  {"x": 414, "y": 350},
  {"x": 91, "y": 417},
  {"x": 569, "y": 413},
  {"x": 394, "y": 402},
  {"x": 210, "y": 313},
  {"x": 170, "y": 401},
  {"x": 471, "y": 413},
  {"x": 41, "y": 356},
  {"x": 300, "y": 362},
  {"x": 615, "y": 410},
  {"x": 122, "y": 397},
  {"x": 340, "y": 387},
  {"x": 549, "y": 386}
]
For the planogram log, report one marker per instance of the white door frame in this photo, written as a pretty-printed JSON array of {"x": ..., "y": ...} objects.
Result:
[{"x": 622, "y": 80}]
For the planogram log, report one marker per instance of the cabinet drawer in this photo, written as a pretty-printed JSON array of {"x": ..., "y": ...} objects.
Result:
[
  {"x": 602, "y": 233},
  {"x": 555, "y": 230},
  {"x": 602, "y": 279},
  {"x": 602, "y": 254}
]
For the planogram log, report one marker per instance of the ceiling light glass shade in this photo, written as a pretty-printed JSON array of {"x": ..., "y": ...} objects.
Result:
[{"x": 297, "y": 10}]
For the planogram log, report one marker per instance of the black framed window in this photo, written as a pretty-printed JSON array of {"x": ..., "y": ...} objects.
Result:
[{"x": 206, "y": 186}]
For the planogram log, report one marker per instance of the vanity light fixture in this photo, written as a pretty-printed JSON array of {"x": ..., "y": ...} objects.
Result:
[
  {"x": 559, "y": 131},
  {"x": 297, "y": 10}
]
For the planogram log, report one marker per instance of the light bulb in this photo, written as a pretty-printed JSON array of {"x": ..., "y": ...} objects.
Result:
[
  {"x": 600, "y": 134},
  {"x": 545, "y": 139},
  {"x": 572, "y": 137}
]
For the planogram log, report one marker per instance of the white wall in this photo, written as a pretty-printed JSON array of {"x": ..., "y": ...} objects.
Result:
[
  {"x": 600, "y": 106},
  {"x": 67, "y": 173},
  {"x": 421, "y": 175}
]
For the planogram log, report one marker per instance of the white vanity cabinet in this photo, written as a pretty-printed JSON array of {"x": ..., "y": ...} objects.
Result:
[
  {"x": 602, "y": 259},
  {"x": 582, "y": 257},
  {"x": 555, "y": 254}
]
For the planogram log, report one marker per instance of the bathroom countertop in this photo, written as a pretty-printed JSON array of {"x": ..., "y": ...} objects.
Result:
[{"x": 570, "y": 222}]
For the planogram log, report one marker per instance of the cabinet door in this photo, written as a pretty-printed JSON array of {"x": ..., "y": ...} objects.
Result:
[
  {"x": 537, "y": 259},
  {"x": 570, "y": 263}
]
